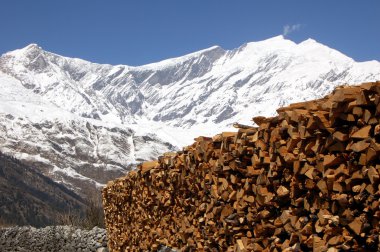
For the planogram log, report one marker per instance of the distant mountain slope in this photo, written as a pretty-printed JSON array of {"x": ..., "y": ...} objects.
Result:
[
  {"x": 84, "y": 123},
  {"x": 29, "y": 198},
  {"x": 80, "y": 152}
]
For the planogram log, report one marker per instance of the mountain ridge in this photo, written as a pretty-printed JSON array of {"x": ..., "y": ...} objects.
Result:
[
  {"x": 36, "y": 46},
  {"x": 136, "y": 113}
]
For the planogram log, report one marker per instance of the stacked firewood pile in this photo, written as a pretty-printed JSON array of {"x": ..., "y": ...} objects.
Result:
[{"x": 305, "y": 179}]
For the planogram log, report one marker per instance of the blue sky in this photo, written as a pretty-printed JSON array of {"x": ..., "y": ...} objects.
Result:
[{"x": 141, "y": 31}]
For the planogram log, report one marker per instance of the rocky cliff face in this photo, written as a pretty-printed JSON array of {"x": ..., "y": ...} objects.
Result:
[{"x": 83, "y": 123}]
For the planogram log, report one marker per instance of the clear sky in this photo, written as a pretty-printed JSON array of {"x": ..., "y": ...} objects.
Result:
[{"x": 144, "y": 31}]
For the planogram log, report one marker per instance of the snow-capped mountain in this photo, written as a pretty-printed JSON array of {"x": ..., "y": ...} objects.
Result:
[{"x": 173, "y": 100}]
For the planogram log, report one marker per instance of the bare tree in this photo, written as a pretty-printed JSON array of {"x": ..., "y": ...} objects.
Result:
[
  {"x": 94, "y": 214},
  {"x": 70, "y": 218}
]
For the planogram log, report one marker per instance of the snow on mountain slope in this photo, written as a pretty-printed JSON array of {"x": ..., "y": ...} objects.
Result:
[
  {"x": 212, "y": 87},
  {"x": 176, "y": 99},
  {"x": 80, "y": 152}
]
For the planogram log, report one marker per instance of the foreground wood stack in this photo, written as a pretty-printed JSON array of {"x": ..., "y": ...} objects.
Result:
[{"x": 307, "y": 178}]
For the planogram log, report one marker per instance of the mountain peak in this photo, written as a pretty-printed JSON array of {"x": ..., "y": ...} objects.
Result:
[
  {"x": 276, "y": 38},
  {"x": 211, "y": 50},
  {"x": 309, "y": 41},
  {"x": 32, "y": 46},
  {"x": 274, "y": 43},
  {"x": 28, "y": 51}
]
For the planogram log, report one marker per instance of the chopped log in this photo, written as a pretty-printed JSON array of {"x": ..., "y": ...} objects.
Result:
[
  {"x": 373, "y": 175},
  {"x": 282, "y": 191},
  {"x": 146, "y": 166},
  {"x": 357, "y": 111},
  {"x": 240, "y": 246},
  {"x": 340, "y": 136},
  {"x": 331, "y": 160},
  {"x": 358, "y": 146},
  {"x": 362, "y": 133},
  {"x": 356, "y": 225}
]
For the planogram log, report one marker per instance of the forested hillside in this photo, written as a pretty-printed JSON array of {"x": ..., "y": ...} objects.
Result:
[{"x": 29, "y": 198}]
